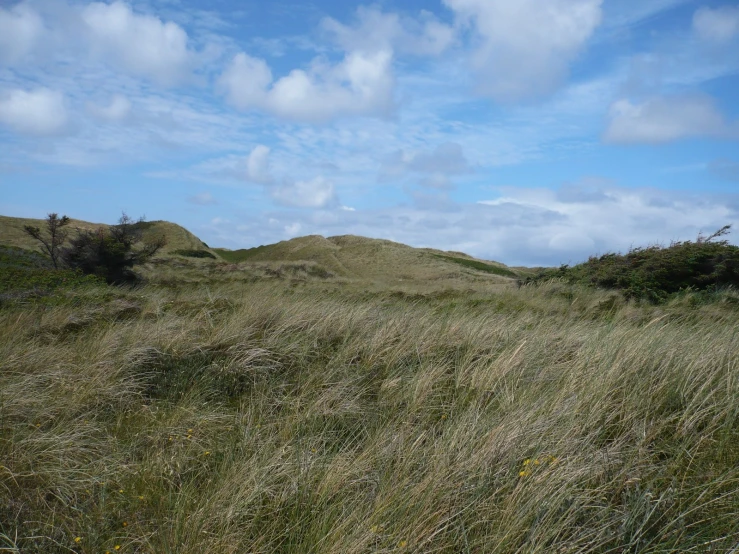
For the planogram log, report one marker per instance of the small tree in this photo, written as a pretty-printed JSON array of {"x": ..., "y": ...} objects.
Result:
[
  {"x": 56, "y": 235},
  {"x": 113, "y": 252}
]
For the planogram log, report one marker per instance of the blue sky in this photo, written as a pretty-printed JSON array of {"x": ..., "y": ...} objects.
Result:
[{"x": 533, "y": 132}]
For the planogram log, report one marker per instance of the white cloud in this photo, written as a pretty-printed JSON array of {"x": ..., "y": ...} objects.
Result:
[
  {"x": 362, "y": 84},
  {"x": 203, "y": 199},
  {"x": 316, "y": 193},
  {"x": 719, "y": 25},
  {"x": 257, "y": 165},
  {"x": 375, "y": 30},
  {"x": 435, "y": 167},
  {"x": 524, "y": 48},
  {"x": 665, "y": 119},
  {"x": 141, "y": 44},
  {"x": 20, "y": 28},
  {"x": 38, "y": 112},
  {"x": 117, "y": 110}
]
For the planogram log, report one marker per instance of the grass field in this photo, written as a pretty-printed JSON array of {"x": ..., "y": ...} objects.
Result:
[{"x": 260, "y": 408}]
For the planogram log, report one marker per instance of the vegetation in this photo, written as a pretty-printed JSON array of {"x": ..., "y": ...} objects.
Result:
[
  {"x": 26, "y": 276},
  {"x": 55, "y": 237},
  {"x": 242, "y": 255},
  {"x": 478, "y": 265},
  {"x": 222, "y": 408},
  {"x": 656, "y": 273},
  {"x": 190, "y": 253}
]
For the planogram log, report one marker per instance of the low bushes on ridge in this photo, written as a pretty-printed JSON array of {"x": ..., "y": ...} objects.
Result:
[{"x": 655, "y": 273}]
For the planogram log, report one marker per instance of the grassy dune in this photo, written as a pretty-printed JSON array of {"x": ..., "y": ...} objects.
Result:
[
  {"x": 178, "y": 238},
  {"x": 365, "y": 258},
  {"x": 223, "y": 408}
]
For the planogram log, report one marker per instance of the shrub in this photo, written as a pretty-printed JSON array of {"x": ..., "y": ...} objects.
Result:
[
  {"x": 655, "y": 273},
  {"x": 111, "y": 253},
  {"x": 56, "y": 235},
  {"x": 188, "y": 253}
]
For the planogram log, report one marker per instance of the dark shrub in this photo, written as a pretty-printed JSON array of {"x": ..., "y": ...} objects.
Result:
[
  {"x": 194, "y": 253},
  {"x": 655, "y": 273},
  {"x": 111, "y": 253}
]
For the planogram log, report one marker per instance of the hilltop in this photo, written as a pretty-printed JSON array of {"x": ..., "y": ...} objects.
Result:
[
  {"x": 360, "y": 257},
  {"x": 178, "y": 238}
]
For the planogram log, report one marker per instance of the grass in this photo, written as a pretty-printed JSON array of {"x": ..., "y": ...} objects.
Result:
[
  {"x": 28, "y": 276},
  {"x": 478, "y": 265},
  {"x": 178, "y": 238},
  {"x": 237, "y": 408}
]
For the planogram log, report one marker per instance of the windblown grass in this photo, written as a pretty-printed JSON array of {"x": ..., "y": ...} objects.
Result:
[{"x": 243, "y": 415}]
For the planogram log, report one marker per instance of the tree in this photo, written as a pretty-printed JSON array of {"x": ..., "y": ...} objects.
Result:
[
  {"x": 56, "y": 235},
  {"x": 113, "y": 252}
]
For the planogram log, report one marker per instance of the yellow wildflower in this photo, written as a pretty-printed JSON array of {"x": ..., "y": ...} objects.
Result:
[
  {"x": 120, "y": 491},
  {"x": 117, "y": 547},
  {"x": 78, "y": 539},
  {"x": 125, "y": 524},
  {"x": 402, "y": 544}
]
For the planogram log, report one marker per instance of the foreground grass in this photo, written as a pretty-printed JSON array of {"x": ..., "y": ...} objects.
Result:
[{"x": 258, "y": 417}]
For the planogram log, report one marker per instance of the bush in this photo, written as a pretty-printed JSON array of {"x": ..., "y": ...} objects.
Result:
[
  {"x": 29, "y": 275},
  {"x": 111, "y": 253},
  {"x": 656, "y": 273},
  {"x": 193, "y": 253}
]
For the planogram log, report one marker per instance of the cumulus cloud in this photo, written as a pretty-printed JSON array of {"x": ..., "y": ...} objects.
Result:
[
  {"x": 361, "y": 84},
  {"x": 20, "y": 28},
  {"x": 37, "y": 112},
  {"x": 719, "y": 25},
  {"x": 202, "y": 199},
  {"x": 375, "y": 30},
  {"x": 116, "y": 111},
  {"x": 664, "y": 119},
  {"x": 435, "y": 166},
  {"x": 257, "y": 166},
  {"x": 316, "y": 193},
  {"x": 523, "y": 49},
  {"x": 139, "y": 43}
]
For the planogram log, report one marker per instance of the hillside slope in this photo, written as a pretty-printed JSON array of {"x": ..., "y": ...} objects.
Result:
[
  {"x": 361, "y": 257},
  {"x": 178, "y": 238}
]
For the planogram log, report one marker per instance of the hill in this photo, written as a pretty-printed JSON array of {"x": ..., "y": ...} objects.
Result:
[
  {"x": 178, "y": 238},
  {"x": 361, "y": 257}
]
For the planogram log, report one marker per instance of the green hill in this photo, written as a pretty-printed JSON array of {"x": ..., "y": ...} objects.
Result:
[
  {"x": 178, "y": 238},
  {"x": 361, "y": 257}
]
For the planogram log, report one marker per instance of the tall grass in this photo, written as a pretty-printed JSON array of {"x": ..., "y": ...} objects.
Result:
[{"x": 256, "y": 417}]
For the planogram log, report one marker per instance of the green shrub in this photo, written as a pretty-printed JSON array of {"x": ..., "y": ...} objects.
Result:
[
  {"x": 479, "y": 266},
  {"x": 111, "y": 253},
  {"x": 188, "y": 253},
  {"x": 655, "y": 273},
  {"x": 25, "y": 274}
]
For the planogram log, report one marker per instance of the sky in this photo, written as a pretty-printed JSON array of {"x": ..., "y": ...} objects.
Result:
[{"x": 535, "y": 132}]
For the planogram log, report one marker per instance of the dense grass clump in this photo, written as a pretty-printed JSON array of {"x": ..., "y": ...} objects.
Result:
[
  {"x": 230, "y": 413},
  {"x": 656, "y": 273},
  {"x": 27, "y": 275},
  {"x": 190, "y": 253},
  {"x": 478, "y": 265}
]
